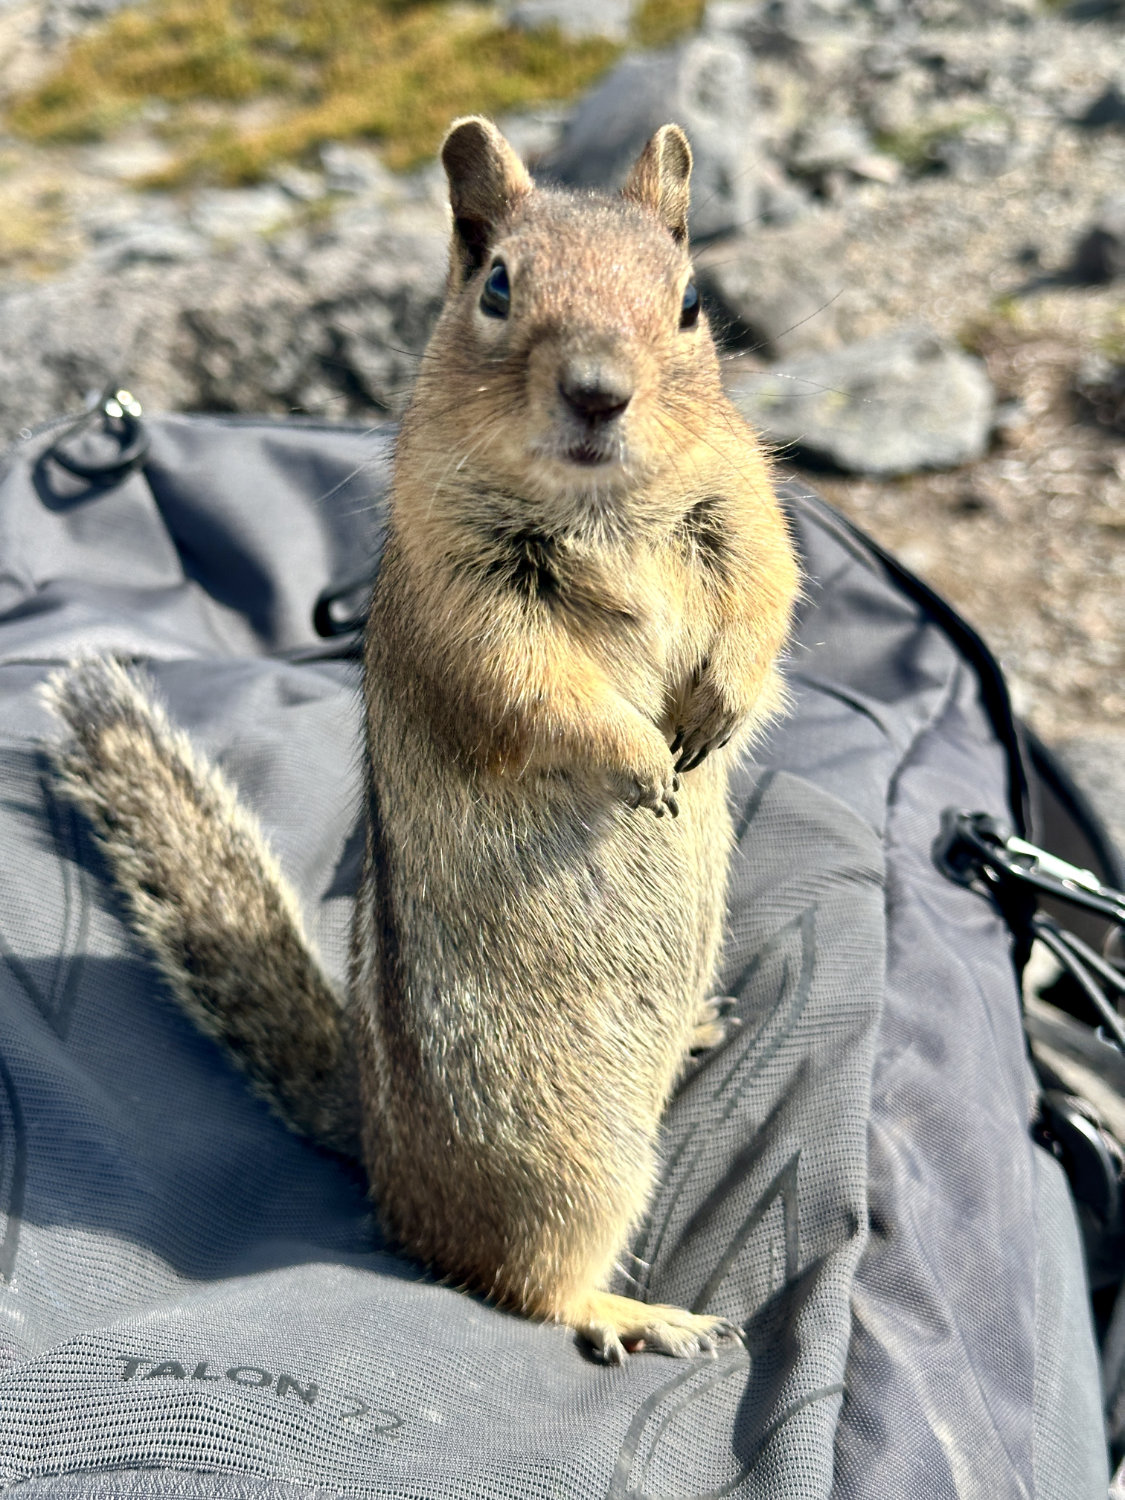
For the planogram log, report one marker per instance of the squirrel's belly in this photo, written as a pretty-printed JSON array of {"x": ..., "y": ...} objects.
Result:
[{"x": 544, "y": 947}]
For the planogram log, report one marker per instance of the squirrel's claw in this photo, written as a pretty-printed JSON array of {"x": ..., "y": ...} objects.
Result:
[
  {"x": 605, "y": 1346},
  {"x": 697, "y": 744},
  {"x": 614, "y": 1326}
]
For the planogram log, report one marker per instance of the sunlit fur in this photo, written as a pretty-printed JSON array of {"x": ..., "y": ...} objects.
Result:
[{"x": 561, "y": 600}]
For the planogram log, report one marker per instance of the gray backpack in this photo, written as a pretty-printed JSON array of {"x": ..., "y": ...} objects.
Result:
[{"x": 195, "y": 1303}]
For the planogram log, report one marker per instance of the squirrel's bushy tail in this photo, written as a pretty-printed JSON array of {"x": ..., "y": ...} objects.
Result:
[{"x": 207, "y": 897}]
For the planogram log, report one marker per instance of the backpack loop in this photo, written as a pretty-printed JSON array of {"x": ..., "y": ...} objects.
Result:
[{"x": 120, "y": 414}]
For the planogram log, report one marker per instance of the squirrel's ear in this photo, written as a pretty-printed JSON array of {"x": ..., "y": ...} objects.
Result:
[
  {"x": 486, "y": 178},
  {"x": 659, "y": 179}
]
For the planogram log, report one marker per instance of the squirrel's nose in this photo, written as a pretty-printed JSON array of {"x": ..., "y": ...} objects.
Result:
[{"x": 595, "y": 390}]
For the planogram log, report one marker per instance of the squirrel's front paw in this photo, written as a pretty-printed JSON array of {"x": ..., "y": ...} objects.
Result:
[
  {"x": 653, "y": 786},
  {"x": 710, "y": 720}
]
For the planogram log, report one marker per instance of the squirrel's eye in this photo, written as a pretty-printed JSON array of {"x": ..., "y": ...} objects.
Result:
[
  {"x": 496, "y": 299},
  {"x": 689, "y": 309}
]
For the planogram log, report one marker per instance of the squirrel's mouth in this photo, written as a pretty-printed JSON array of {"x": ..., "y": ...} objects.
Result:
[
  {"x": 598, "y": 456},
  {"x": 589, "y": 455}
]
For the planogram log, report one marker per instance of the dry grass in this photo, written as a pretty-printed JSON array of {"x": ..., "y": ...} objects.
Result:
[
  {"x": 32, "y": 224},
  {"x": 391, "y": 71},
  {"x": 656, "y": 22}
]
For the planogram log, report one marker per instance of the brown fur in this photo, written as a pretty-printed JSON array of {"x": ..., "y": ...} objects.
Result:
[
  {"x": 585, "y": 587},
  {"x": 207, "y": 896}
]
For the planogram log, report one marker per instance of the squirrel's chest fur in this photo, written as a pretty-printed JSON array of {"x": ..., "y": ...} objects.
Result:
[{"x": 535, "y": 911}]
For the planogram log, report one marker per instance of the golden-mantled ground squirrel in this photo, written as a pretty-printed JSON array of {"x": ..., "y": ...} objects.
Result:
[{"x": 584, "y": 591}]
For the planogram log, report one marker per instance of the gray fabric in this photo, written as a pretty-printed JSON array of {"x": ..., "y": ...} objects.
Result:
[{"x": 196, "y": 1303}]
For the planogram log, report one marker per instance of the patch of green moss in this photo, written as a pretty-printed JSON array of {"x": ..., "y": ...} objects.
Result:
[
  {"x": 394, "y": 71},
  {"x": 1110, "y": 342},
  {"x": 658, "y": 22}
]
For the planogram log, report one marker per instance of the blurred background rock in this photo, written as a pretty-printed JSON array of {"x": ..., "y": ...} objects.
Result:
[{"x": 909, "y": 218}]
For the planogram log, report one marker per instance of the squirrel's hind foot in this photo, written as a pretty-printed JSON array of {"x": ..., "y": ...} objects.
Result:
[
  {"x": 714, "y": 1022},
  {"x": 614, "y": 1326}
]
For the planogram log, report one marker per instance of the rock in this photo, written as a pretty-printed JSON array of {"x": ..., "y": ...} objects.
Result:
[
  {"x": 1095, "y": 761},
  {"x": 735, "y": 16},
  {"x": 776, "y": 26},
  {"x": 331, "y": 324},
  {"x": 1009, "y": 420},
  {"x": 780, "y": 200},
  {"x": 59, "y": 20},
  {"x": 948, "y": 13},
  {"x": 1107, "y": 110},
  {"x": 888, "y": 405},
  {"x": 134, "y": 229},
  {"x": 833, "y": 151},
  {"x": 704, "y": 85},
  {"x": 533, "y": 133},
  {"x": 352, "y": 169},
  {"x": 154, "y": 244},
  {"x": 981, "y": 150},
  {"x": 338, "y": 326},
  {"x": 232, "y": 214},
  {"x": 299, "y": 184},
  {"x": 827, "y": 145},
  {"x": 1100, "y": 387},
  {"x": 765, "y": 299},
  {"x": 574, "y": 18},
  {"x": 1095, "y": 10},
  {"x": 1100, "y": 254},
  {"x": 887, "y": 58},
  {"x": 131, "y": 156}
]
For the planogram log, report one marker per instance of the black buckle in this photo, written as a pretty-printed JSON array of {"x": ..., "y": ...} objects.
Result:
[
  {"x": 341, "y": 608},
  {"x": 976, "y": 847},
  {"x": 978, "y": 851}
]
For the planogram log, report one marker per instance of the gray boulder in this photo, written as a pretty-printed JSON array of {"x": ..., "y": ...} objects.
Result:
[
  {"x": 987, "y": 148},
  {"x": 149, "y": 243},
  {"x": 888, "y": 405},
  {"x": 354, "y": 170},
  {"x": 574, "y": 18},
  {"x": 1099, "y": 384},
  {"x": 59, "y": 20},
  {"x": 830, "y": 153},
  {"x": 1106, "y": 111},
  {"x": 765, "y": 298},
  {"x": 299, "y": 184},
  {"x": 332, "y": 325},
  {"x": 778, "y": 25},
  {"x": 133, "y": 228},
  {"x": 235, "y": 214},
  {"x": 1099, "y": 255},
  {"x": 825, "y": 145},
  {"x": 702, "y": 84}
]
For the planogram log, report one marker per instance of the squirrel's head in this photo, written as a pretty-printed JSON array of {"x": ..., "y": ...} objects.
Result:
[{"x": 572, "y": 350}]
